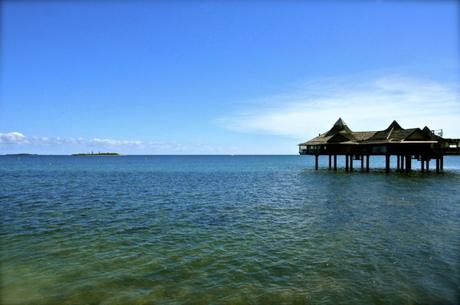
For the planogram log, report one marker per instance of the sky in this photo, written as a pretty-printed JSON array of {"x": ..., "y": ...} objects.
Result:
[{"x": 221, "y": 77}]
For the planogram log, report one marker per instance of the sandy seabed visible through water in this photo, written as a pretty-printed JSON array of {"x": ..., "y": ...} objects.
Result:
[{"x": 225, "y": 230}]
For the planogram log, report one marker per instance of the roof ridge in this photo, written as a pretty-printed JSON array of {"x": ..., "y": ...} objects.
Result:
[{"x": 391, "y": 131}]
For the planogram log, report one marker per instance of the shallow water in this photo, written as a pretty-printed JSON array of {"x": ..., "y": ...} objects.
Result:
[{"x": 225, "y": 230}]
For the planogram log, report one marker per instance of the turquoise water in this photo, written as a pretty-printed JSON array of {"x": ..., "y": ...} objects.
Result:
[{"x": 225, "y": 230}]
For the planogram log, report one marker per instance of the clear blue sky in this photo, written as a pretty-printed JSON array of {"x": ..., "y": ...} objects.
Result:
[{"x": 227, "y": 77}]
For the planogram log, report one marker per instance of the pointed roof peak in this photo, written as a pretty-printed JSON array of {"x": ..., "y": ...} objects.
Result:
[
  {"x": 430, "y": 133},
  {"x": 394, "y": 125},
  {"x": 339, "y": 126},
  {"x": 340, "y": 122}
]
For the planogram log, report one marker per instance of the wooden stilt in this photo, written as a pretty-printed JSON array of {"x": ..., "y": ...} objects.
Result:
[
  {"x": 441, "y": 166},
  {"x": 330, "y": 165},
  {"x": 316, "y": 162},
  {"x": 387, "y": 163},
  {"x": 335, "y": 162},
  {"x": 367, "y": 163},
  {"x": 346, "y": 163},
  {"x": 437, "y": 165},
  {"x": 362, "y": 162},
  {"x": 351, "y": 162},
  {"x": 408, "y": 163},
  {"x": 427, "y": 165},
  {"x": 422, "y": 165}
]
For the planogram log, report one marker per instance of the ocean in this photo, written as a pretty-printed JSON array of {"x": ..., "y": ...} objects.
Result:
[{"x": 226, "y": 230}]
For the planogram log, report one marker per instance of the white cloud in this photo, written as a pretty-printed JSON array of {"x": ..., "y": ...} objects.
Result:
[
  {"x": 19, "y": 138},
  {"x": 14, "y": 142},
  {"x": 12, "y": 138},
  {"x": 16, "y": 139},
  {"x": 111, "y": 142},
  {"x": 364, "y": 105}
]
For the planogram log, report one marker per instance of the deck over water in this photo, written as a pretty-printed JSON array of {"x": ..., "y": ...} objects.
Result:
[{"x": 406, "y": 144}]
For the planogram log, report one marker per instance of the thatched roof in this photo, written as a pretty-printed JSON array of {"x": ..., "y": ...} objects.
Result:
[
  {"x": 339, "y": 126},
  {"x": 340, "y": 133}
]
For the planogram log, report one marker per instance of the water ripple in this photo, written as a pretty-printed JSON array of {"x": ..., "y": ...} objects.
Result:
[{"x": 225, "y": 230}]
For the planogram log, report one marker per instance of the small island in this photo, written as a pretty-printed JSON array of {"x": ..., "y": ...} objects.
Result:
[
  {"x": 96, "y": 154},
  {"x": 21, "y": 154}
]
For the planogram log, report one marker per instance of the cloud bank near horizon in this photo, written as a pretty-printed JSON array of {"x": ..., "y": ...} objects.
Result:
[
  {"x": 19, "y": 140},
  {"x": 364, "y": 105}
]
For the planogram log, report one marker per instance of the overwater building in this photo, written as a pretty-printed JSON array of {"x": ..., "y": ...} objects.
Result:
[{"x": 406, "y": 144}]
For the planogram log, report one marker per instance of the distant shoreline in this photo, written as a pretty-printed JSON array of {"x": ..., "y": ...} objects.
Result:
[
  {"x": 21, "y": 154},
  {"x": 106, "y": 154}
]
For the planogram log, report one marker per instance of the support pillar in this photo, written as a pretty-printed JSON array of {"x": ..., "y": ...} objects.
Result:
[
  {"x": 335, "y": 162},
  {"x": 316, "y": 162},
  {"x": 397, "y": 162},
  {"x": 330, "y": 165},
  {"x": 428, "y": 165},
  {"x": 362, "y": 162},
  {"x": 441, "y": 165},
  {"x": 408, "y": 163},
  {"x": 387, "y": 163},
  {"x": 351, "y": 163},
  {"x": 367, "y": 163},
  {"x": 346, "y": 163},
  {"x": 422, "y": 162},
  {"x": 437, "y": 165}
]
